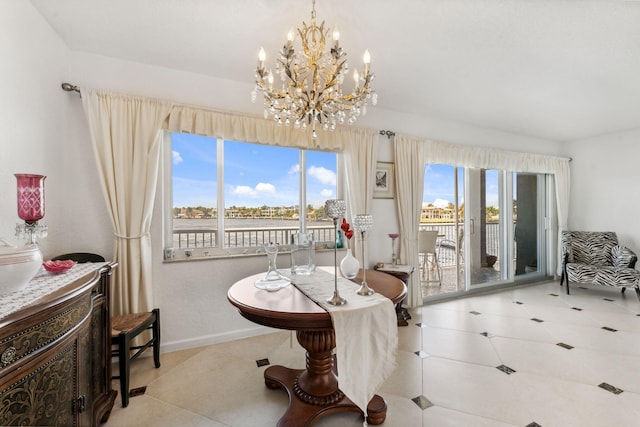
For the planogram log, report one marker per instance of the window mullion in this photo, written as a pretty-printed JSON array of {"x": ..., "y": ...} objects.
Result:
[
  {"x": 303, "y": 191},
  {"x": 220, "y": 192}
]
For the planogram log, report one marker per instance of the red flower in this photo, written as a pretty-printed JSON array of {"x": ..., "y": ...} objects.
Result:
[
  {"x": 345, "y": 225},
  {"x": 346, "y": 229}
]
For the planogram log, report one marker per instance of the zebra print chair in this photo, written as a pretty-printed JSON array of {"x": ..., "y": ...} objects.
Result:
[{"x": 596, "y": 257}]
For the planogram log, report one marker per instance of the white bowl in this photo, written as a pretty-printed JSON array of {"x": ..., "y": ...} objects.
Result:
[{"x": 17, "y": 265}]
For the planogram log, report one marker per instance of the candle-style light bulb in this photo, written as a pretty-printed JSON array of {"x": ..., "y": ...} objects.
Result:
[
  {"x": 262, "y": 56},
  {"x": 336, "y": 34},
  {"x": 366, "y": 58},
  {"x": 356, "y": 78},
  {"x": 290, "y": 35}
]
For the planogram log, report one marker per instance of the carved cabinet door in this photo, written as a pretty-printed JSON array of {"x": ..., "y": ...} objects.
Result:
[
  {"x": 55, "y": 357},
  {"x": 47, "y": 394}
]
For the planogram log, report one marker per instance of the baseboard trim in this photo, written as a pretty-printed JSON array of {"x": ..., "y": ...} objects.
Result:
[{"x": 166, "y": 347}]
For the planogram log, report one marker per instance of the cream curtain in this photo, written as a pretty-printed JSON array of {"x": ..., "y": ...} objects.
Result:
[
  {"x": 563, "y": 185},
  {"x": 238, "y": 127},
  {"x": 360, "y": 156},
  {"x": 409, "y": 172},
  {"x": 126, "y": 140},
  {"x": 490, "y": 158}
]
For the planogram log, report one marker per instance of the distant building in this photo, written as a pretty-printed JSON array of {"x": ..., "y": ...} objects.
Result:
[{"x": 430, "y": 212}]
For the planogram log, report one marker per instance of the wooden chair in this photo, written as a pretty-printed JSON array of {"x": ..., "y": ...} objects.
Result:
[
  {"x": 124, "y": 329},
  {"x": 80, "y": 257}
]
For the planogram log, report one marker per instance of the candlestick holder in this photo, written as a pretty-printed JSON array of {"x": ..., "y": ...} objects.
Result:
[
  {"x": 335, "y": 209},
  {"x": 393, "y": 236},
  {"x": 363, "y": 223},
  {"x": 30, "y": 207}
]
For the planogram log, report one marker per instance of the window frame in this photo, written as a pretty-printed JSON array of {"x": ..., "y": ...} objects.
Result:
[{"x": 171, "y": 253}]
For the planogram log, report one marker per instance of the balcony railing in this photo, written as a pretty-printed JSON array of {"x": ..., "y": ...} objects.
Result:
[
  {"x": 447, "y": 241},
  {"x": 241, "y": 237},
  {"x": 246, "y": 237}
]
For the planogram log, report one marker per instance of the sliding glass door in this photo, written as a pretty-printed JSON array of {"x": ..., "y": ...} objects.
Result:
[
  {"x": 485, "y": 227},
  {"x": 443, "y": 211},
  {"x": 491, "y": 227},
  {"x": 529, "y": 225}
]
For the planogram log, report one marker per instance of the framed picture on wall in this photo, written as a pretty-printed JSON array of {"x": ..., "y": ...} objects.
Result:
[{"x": 385, "y": 186}]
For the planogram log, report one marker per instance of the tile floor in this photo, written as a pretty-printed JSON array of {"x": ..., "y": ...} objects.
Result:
[
  {"x": 530, "y": 356},
  {"x": 431, "y": 287}
]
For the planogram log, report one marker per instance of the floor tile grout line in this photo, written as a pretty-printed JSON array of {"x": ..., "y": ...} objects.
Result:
[{"x": 182, "y": 408}]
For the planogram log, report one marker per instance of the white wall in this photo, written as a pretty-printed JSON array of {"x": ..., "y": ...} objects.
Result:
[
  {"x": 49, "y": 125},
  {"x": 35, "y": 136},
  {"x": 605, "y": 185}
]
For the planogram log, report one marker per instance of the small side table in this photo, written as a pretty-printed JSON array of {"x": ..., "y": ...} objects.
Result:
[{"x": 402, "y": 272}]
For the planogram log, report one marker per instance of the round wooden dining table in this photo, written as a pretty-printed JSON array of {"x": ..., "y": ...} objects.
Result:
[{"x": 313, "y": 392}]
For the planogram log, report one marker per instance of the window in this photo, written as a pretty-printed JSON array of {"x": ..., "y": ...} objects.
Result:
[{"x": 230, "y": 197}]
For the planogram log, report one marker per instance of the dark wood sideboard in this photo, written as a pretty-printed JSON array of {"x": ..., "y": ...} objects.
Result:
[{"x": 55, "y": 356}]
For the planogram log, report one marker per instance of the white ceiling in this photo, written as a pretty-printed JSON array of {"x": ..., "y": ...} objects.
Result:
[{"x": 554, "y": 69}]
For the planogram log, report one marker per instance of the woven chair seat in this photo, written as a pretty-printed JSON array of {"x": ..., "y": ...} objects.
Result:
[{"x": 127, "y": 322}]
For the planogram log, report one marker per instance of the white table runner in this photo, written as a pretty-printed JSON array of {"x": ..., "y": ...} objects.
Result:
[{"x": 366, "y": 333}]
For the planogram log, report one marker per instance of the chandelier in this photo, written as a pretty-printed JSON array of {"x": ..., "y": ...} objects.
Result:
[{"x": 311, "y": 92}]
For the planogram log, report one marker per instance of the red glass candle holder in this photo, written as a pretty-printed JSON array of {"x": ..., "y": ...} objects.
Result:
[{"x": 30, "y": 197}]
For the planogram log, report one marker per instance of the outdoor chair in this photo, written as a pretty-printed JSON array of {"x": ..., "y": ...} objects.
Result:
[
  {"x": 595, "y": 257},
  {"x": 427, "y": 248}
]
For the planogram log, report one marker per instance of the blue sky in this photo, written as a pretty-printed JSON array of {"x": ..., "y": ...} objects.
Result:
[
  {"x": 255, "y": 175},
  {"x": 439, "y": 185}
]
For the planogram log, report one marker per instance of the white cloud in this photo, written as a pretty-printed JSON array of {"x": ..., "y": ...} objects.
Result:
[
  {"x": 323, "y": 175},
  {"x": 265, "y": 188},
  {"x": 294, "y": 169},
  {"x": 177, "y": 158},
  {"x": 441, "y": 203},
  {"x": 244, "y": 190},
  {"x": 254, "y": 193},
  {"x": 326, "y": 192}
]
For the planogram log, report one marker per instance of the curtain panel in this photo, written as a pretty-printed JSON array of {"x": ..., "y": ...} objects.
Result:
[
  {"x": 246, "y": 128},
  {"x": 491, "y": 158},
  {"x": 126, "y": 140},
  {"x": 410, "y": 161}
]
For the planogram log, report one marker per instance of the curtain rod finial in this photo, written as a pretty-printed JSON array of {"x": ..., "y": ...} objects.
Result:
[
  {"x": 388, "y": 133},
  {"x": 70, "y": 88}
]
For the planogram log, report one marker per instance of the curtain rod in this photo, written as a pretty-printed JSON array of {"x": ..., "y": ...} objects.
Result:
[{"x": 70, "y": 88}]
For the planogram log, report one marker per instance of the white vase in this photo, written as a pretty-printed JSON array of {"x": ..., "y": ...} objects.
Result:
[{"x": 349, "y": 266}]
